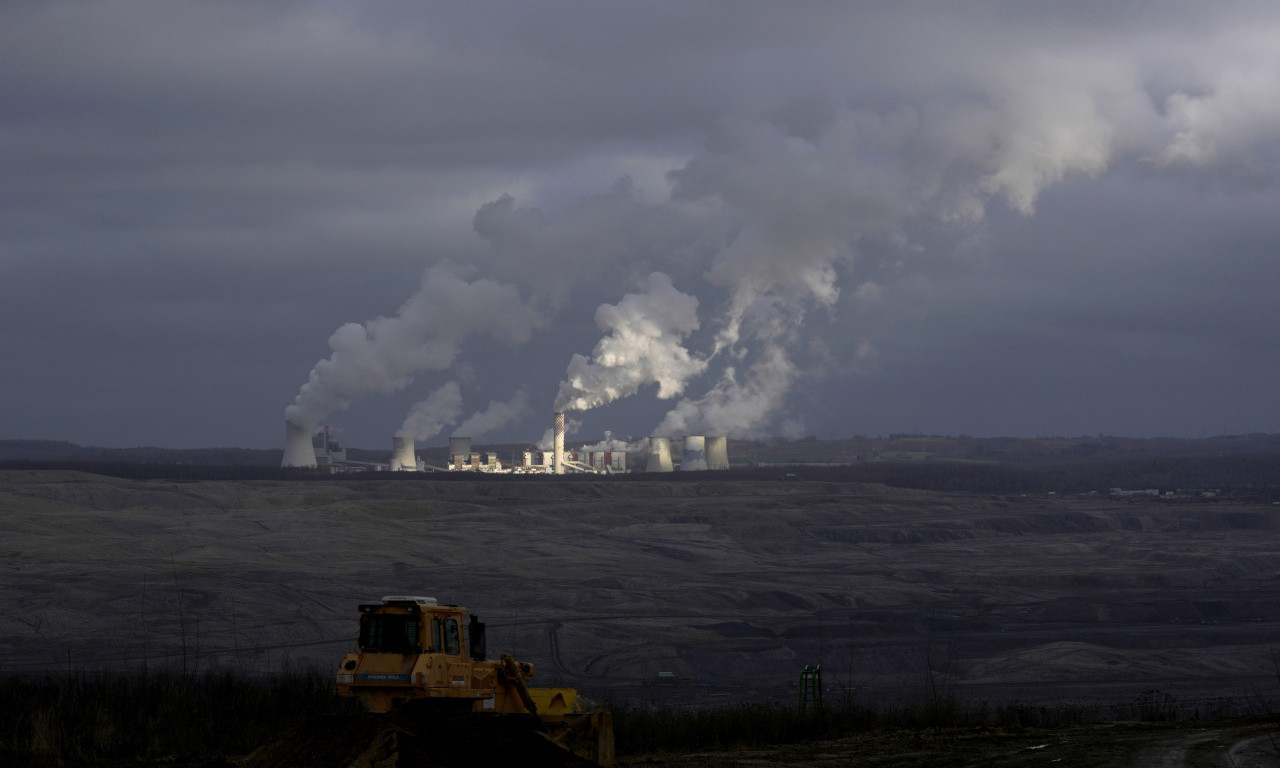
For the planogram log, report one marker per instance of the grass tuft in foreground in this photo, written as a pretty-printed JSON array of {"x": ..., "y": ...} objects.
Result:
[
  {"x": 175, "y": 719},
  {"x": 97, "y": 718}
]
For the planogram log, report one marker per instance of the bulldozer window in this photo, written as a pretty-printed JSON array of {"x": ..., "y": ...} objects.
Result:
[
  {"x": 387, "y": 632},
  {"x": 435, "y": 635},
  {"x": 451, "y": 644}
]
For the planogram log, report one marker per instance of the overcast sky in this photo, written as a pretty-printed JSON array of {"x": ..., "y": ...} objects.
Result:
[{"x": 743, "y": 218}]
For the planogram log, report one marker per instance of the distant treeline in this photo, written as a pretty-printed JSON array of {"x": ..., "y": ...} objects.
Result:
[
  {"x": 1250, "y": 475},
  {"x": 1229, "y": 475},
  {"x": 1031, "y": 452},
  {"x": 62, "y": 451}
]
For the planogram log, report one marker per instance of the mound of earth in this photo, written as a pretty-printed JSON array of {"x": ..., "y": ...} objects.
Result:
[{"x": 417, "y": 737}]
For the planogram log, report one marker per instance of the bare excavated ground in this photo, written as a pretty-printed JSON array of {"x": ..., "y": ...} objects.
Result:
[
  {"x": 405, "y": 739},
  {"x": 1120, "y": 745},
  {"x": 431, "y": 742},
  {"x": 732, "y": 587}
]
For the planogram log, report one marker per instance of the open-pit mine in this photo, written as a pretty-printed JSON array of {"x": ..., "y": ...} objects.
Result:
[{"x": 695, "y": 591}]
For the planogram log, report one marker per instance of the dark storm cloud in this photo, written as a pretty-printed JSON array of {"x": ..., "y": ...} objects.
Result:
[{"x": 894, "y": 218}]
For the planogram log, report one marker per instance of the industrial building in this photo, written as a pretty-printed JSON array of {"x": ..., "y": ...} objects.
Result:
[{"x": 318, "y": 450}]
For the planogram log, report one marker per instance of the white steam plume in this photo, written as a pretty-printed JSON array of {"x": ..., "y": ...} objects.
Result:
[
  {"x": 642, "y": 346},
  {"x": 547, "y": 441},
  {"x": 739, "y": 407},
  {"x": 776, "y": 211},
  {"x": 806, "y": 203},
  {"x": 384, "y": 354},
  {"x": 427, "y": 417},
  {"x": 497, "y": 415},
  {"x": 615, "y": 445}
]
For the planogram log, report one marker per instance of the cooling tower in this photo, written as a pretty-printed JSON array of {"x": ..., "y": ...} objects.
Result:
[
  {"x": 402, "y": 456},
  {"x": 297, "y": 447},
  {"x": 460, "y": 446},
  {"x": 557, "y": 429},
  {"x": 695, "y": 454},
  {"x": 717, "y": 452},
  {"x": 659, "y": 455}
]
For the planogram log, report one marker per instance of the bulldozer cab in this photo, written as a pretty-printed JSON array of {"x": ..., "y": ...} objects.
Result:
[{"x": 419, "y": 625}]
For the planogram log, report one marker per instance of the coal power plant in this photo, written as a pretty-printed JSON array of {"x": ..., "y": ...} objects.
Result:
[
  {"x": 641, "y": 346},
  {"x": 317, "y": 449}
]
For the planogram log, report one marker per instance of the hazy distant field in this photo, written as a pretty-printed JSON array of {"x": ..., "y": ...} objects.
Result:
[{"x": 730, "y": 586}]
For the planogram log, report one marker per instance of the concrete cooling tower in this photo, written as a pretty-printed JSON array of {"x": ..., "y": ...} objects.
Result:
[
  {"x": 717, "y": 452},
  {"x": 402, "y": 456},
  {"x": 695, "y": 454},
  {"x": 297, "y": 447},
  {"x": 659, "y": 455}
]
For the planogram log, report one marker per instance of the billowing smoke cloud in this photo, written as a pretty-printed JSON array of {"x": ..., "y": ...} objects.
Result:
[
  {"x": 571, "y": 427},
  {"x": 643, "y": 346},
  {"x": 739, "y": 405},
  {"x": 497, "y": 415},
  {"x": 807, "y": 203},
  {"x": 613, "y": 444},
  {"x": 782, "y": 207},
  {"x": 586, "y": 244},
  {"x": 794, "y": 204},
  {"x": 427, "y": 417},
  {"x": 385, "y": 354}
]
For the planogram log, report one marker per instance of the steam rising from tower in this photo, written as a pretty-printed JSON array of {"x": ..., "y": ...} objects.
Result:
[
  {"x": 767, "y": 220},
  {"x": 497, "y": 415},
  {"x": 642, "y": 345},
  {"x": 386, "y": 353},
  {"x": 427, "y": 417}
]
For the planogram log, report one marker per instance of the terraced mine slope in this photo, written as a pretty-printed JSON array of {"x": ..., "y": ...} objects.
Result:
[{"x": 697, "y": 592}]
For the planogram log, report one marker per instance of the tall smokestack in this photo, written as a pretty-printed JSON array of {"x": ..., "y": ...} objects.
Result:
[
  {"x": 718, "y": 452},
  {"x": 557, "y": 429},
  {"x": 297, "y": 447},
  {"x": 659, "y": 455},
  {"x": 695, "y": 454},
  {"x": 402, "y": 456}
]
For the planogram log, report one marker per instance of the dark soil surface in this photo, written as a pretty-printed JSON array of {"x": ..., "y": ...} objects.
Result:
[
  {"x": 1235, "y": 744},
  {"x": 414, "y": 739},
  {"x": 729, "y": 587},
  {"x": 382, "y": 742}
]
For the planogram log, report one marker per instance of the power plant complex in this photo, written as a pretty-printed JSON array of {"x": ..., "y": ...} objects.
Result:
[{"x": 318, "y": 450}]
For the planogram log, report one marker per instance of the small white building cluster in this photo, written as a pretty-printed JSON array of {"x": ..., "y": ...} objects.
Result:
[{"x": 600, "y": 462}]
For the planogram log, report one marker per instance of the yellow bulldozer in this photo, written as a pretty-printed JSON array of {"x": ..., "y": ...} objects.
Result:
[{"x": 415, "y": 653}]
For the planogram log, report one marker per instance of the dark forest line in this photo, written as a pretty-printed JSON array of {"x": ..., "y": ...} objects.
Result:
[{"x": 1212, "y": 478}]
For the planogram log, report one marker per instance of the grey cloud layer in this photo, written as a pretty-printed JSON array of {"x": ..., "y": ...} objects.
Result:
[{"x": 820, "y": 177}]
